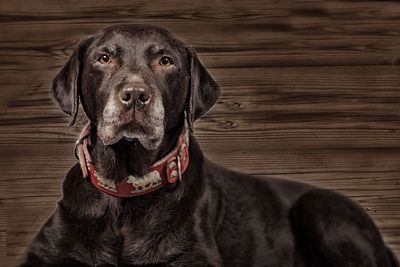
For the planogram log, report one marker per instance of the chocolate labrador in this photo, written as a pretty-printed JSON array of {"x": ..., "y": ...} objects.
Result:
[{"x": 145, "y": 195}]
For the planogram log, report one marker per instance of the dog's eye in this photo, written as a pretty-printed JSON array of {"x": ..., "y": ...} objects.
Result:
[
  {"x": 104, "y": 59},
  {"x": 166, "y": 61}
]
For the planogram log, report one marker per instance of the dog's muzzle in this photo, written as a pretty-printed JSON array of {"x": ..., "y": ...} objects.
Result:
[{"x": 134, "y": 111}]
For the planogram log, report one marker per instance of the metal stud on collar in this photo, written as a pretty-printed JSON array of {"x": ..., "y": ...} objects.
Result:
[{"x": 178, "y": 159}]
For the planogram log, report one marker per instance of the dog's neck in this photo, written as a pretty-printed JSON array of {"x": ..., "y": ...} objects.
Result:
[{"x": 129, "y": 157}]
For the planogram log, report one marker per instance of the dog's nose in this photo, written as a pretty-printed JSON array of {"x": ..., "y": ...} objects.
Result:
[{"x": 139, "y": 96}]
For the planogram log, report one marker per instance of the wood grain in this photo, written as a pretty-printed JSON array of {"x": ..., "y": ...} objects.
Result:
[{"x": 310, "y": 93}]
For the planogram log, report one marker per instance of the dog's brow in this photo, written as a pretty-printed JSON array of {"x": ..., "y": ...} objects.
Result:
[
  {"x": 108, "y": 49},
  {"x": 156, "y": 50}
]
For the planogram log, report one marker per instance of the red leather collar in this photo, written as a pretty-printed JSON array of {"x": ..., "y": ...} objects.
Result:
[{"x": 165, "y": 171}]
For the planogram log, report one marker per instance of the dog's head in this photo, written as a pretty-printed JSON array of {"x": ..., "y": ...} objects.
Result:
[{"x": 135, "y": 82}]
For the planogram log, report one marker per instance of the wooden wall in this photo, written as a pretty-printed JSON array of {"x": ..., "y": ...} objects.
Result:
[{"x": 311, "y": 92}]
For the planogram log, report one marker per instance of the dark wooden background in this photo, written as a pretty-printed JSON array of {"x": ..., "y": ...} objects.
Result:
[{"x": 311, "y": 92}]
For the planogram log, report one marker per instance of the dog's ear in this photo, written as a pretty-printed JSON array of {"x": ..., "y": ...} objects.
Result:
[
  {"x": 66, "y": 84},
  {"x": 204, "y": 90}
]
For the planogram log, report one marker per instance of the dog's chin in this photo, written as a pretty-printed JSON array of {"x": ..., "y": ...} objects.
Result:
[{"x": 149, "y": 142}]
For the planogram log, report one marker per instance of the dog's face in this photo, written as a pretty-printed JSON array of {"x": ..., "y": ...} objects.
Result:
[
  {"x": 133, "y": 74},
  {"x": 134, "y": 83}
]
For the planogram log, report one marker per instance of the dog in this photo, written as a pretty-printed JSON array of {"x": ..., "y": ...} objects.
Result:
[{"x": 145, "y": 195}]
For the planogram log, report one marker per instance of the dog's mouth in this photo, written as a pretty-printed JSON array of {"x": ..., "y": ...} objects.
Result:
[
  {"x": 129, "y": 139},
  {"x": 111, "y": 133}
]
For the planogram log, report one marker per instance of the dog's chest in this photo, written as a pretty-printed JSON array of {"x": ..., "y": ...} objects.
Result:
[
  {"x": 142, "y": 237},
  {"x": 140, "y": 247}
]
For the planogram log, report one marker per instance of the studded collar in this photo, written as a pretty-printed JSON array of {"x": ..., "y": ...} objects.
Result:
[{"x": 163, "y": 172}]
